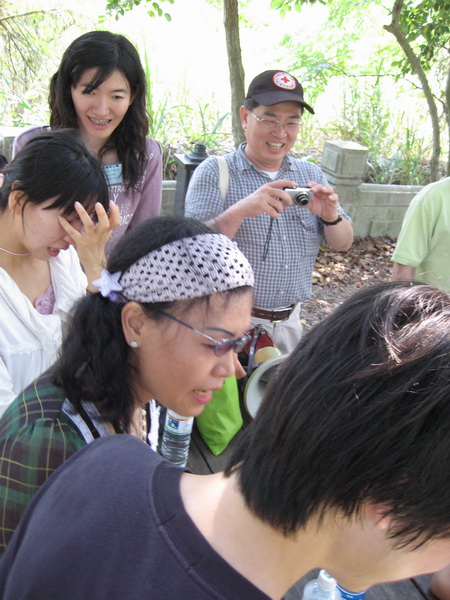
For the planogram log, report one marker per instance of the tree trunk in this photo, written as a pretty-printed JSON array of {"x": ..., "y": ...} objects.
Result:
[
  {"x": 394, "y": 28},
  {"x": 231, "y": 24},
  {"x": 447, "y": 117}
]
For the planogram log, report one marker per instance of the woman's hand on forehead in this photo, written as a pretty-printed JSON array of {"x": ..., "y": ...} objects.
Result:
[{"x": 90, "y": 240}]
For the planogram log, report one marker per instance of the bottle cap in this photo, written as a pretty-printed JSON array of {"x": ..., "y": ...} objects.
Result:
[{"x": 325, "y": 582}]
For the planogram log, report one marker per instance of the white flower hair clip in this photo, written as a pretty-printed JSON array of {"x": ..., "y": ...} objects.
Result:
[{"x": 108, "y": 284}]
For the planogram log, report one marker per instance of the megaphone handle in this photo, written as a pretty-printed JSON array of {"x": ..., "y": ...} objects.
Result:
[{"x": 251, "y": 353}]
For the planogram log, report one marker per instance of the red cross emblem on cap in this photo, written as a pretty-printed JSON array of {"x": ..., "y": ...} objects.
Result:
[{"x": 284, "y": 80}]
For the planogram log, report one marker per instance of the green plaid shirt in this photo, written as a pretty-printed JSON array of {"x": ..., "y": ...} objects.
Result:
[{"x": 35, "y": 438}]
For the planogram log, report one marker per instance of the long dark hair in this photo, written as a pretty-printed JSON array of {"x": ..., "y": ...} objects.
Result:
[
  {"x": 94, "y": 360},
  {"x": 55, "y": 165},
  {"x": 106, "y": 52}
]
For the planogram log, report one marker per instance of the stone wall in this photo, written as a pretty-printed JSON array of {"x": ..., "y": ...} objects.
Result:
[{"x": 376, "y": 210}]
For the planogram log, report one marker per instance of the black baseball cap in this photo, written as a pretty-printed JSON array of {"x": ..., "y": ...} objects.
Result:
[{"x": 272, "y": 87}]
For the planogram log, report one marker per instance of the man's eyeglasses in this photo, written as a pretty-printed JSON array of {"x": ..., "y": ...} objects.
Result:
[
  {"x": 272, "y": 124},
  {"x": 220, "y": 347}
]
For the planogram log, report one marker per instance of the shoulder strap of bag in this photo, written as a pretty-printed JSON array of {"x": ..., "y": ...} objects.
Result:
[{"x": 224, "y": 176}]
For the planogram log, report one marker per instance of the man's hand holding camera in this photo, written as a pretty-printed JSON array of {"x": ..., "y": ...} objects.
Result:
[
  {"x": 337, "y": 231},
  {"x": 270, "y": 198},
  {"x": 324, "y": 201},
  {"x": 275, "y": 197}
]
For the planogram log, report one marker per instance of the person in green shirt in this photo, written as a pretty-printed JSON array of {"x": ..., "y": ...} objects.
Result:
[{"x": 423, "y": 246}]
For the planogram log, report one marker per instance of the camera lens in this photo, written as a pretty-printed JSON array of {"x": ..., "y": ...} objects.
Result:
[{"x": 302, "y": 198}]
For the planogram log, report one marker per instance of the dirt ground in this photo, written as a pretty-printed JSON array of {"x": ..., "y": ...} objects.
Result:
[{"x": 338, "y": 275}]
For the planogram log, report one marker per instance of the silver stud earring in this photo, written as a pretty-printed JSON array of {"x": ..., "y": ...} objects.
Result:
[{"x": 133, "y": 344}]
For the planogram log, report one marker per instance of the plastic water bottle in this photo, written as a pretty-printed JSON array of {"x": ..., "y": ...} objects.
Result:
[
  {"x": 348, "y": 595},
  {"x": 176, "y": 438},
  {"x": 322, "y": 588}
]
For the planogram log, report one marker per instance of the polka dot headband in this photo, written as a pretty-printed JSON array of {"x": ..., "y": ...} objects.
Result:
[{"x": 188, "y": 268}]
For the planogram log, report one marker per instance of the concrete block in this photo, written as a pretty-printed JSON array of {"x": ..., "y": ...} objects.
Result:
[
  {"x": 344, "y": 159},
  {"x": 168, "y": 198}
]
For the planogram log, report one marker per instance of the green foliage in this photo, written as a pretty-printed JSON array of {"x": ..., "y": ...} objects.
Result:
[
  {"x": 21, "y": 109},
  {"x": 200, "y": 125},
  {"x": 331, "y": 58},
  {"x": 28, "y": 53},
  {"x": 365, "y": 117},
  {"x": 285, "y": 6},
  {"x": 179, "y": 127},
  {"x": 332, "y": 64},
  {"x": 120, "y": 7},
  {"x": 425, "y": 25},
  {"x": 315, "y": 65},
  {"x": 407, "y": 165}
]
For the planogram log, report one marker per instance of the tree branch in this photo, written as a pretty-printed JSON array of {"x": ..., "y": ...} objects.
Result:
[
  {"x": 416, "y": 66},
  {"x": 28, "y": 14}
]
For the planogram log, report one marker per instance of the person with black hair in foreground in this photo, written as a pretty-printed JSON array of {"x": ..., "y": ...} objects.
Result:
[{"x": 346, "y": 467}]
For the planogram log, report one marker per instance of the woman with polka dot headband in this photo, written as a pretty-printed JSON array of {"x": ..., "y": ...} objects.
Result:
[{"x": 164, "y": 329}]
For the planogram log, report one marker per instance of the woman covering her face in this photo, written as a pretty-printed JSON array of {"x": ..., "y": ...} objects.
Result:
[
  {"x": 47, "y": 197},
  {"x": 170, "y": 316},
  {"x": 100, "y": 90}
]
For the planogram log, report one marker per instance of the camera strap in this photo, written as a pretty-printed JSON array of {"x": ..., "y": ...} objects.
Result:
[{"x": 224, "y": 176}]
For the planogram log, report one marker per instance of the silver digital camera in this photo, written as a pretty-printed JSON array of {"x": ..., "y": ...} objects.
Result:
[{"x": 299, "y": 196}]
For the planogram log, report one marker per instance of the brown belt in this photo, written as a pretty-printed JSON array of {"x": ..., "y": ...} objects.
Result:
[{"x": 277, "y": 314}]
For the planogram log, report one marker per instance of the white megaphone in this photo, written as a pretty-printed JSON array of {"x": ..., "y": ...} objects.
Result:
[{"x": 269, "y": 358}]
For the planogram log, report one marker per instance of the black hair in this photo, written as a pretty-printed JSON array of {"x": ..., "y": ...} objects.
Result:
[
  {"x": 359, "y": 412},
  {"x": 107, "y": 52},
  {"x": 55, "y": 165},
  {"x": 94, "y": 360}
]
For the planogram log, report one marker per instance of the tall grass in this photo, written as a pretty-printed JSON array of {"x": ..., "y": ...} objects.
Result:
[
  {"x": 397, "y": 153},
  {"x": 178, "y": 127}
]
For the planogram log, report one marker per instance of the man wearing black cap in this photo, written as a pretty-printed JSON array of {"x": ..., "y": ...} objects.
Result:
[{"x": 242, "y": 196}]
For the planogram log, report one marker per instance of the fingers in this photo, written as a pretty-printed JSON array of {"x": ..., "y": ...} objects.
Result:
[
  {"x": 322, "y": 190},
  {"x": 114, "y": 215},
  {"x": 281, "y": 183},
  {"x": 106, "y": 221},
  {"x": 325, "y": 202},
  {"x": 270, "y": 198},
  {"x": 68, "y": 228},
  {"x": 280, "y": 194},
  {"x": 276, "y": 197},
  {"x": 84, "y": 216}
]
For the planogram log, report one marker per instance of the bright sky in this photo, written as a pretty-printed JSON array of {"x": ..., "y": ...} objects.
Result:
[{"x": 189, "y": 53}]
